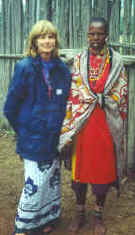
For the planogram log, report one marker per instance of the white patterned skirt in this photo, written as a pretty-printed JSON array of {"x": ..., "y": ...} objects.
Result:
[{"x": 40, "y": 201}]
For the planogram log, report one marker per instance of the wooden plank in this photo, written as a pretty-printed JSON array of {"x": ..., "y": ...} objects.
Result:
[
  {"x": 30, "y": 15},
  {"x": 63, "y": 22},
  {"x": 86, "y": 15},
  {"x": 102, "y": 8},
  {"x": 131, "y": 118},
  {"x": 43, "y": 10},
  {"x": 114, "y": 32},
  {"x": 127, "y": 23},
  {"x": 5, "y": 26},
  {"x": 16, "y": 30},
  {"x": 133, "y": 28}
]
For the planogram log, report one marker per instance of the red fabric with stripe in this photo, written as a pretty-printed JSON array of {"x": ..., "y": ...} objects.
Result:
[{"x": 95, "y": 156}]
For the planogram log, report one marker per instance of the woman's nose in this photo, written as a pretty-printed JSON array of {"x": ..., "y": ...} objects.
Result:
[
  {"x": 96, "y": 36},
  {"x": 46, "y": 39}
]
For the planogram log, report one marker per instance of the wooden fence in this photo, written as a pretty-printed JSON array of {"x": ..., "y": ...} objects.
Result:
[{"x": 7, "y": 63}]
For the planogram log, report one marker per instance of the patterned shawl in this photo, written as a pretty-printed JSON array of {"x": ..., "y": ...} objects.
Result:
[{"x": 82, "y": 102}]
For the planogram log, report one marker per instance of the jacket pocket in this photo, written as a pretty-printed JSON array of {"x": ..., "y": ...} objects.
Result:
[
  {"x": 41, "y": 145},
  {"x": 36, "y": 127},
  {"x": 54, "y": 121}
]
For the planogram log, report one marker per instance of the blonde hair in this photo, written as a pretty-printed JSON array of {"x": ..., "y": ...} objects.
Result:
[{"x": 40, "y": 28}]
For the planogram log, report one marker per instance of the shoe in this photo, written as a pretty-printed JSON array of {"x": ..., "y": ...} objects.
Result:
[
  {"x": 78, "y": 222},
  {"x": 98, "y": 227},
  {"x": 48, "y": 230}
]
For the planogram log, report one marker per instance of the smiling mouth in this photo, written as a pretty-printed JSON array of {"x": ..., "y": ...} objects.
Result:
[
  {"x": 95, "y": 44},
  {"x": 46, "y": 47}
]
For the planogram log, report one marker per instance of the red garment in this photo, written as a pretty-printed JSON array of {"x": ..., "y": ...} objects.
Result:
[
  {"x": 99, "y": 87},
  {"x": 95, "y": 156}
]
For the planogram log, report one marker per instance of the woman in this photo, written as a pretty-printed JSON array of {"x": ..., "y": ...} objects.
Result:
[
  {"x": 95, "y": 120},
  {"x": 35, "y": 108}
]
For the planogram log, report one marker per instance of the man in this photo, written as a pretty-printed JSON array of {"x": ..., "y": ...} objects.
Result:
[{"x": 95, "y": 122}]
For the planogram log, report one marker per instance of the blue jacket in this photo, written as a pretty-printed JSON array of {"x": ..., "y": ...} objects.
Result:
[{"x": 36, "y": 117}]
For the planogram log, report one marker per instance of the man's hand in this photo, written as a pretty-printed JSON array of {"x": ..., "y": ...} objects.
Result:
[{"x": 66, "y": 155}]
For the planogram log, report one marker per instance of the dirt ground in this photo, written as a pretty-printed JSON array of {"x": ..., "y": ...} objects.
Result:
[{"x": 119, "y": 213}]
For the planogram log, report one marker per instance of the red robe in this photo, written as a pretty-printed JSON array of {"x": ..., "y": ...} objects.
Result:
[{"x": 95, "y": 154}]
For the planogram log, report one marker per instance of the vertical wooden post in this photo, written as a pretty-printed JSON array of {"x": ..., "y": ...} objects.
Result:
[
  {"x": 114, "y": 32},
  {"x": 127, "y": 23},
  {"x": 131, "y": 118}
]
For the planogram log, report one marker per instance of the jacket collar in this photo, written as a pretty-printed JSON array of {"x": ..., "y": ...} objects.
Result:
[{"x": 38, "y": 64}]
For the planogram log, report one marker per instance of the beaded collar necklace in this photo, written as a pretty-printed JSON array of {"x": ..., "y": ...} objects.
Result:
[{"x": 95, "y": 74}]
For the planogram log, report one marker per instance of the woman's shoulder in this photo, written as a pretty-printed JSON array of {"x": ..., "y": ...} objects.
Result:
[
  {"x": 62, "y": 63},
  {"x": 25, "y": 65},
  {"x": 24, "y": 62}
]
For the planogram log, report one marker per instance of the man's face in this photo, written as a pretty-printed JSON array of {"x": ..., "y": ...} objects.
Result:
[{"x": 97, "y": 35}]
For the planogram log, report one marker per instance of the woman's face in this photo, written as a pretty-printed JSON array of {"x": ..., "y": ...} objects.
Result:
[
  {"x": 45, "y": 44},
  {"x": 97, "y": 36}
]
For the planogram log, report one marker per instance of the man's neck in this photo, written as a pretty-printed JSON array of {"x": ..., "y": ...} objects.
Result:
[{"x": 97, "y": 51}]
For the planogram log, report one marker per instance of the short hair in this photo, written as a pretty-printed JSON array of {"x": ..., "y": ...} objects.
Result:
[
  {"x": 40, "y": 28},
  {"x": 102, "y": 20}
]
